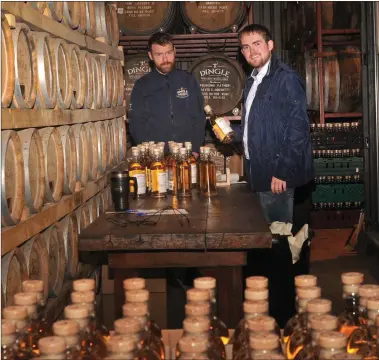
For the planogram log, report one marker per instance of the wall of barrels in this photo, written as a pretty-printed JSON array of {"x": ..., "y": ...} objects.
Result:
[{"x": 63, "y": 131}]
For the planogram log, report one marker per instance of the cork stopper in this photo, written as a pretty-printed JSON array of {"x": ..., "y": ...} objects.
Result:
[
  {"x": 32, "y": 286},
  {"x": 75, "y": 312},
  {"x": 135, "y": 309},
  {"x": 320, "y": 306},
  {"x": 373, "y": 303},
  {"x": 346, "y": 356},
  {"x": 193, "y": 344},
  {"x": 198, "y": 295},
  {"x": 256, "y": 282},
  {"x": 84, "y": 285},
  {"x": 350, "y": 278},
  {"x": 207, "y": 109},
  {"x": 277, "y": 356},
  {"x": 351, "y": 288},
  {"x": 15, "y": 313},
  {"x": 261, "y": 323},
  {"x": 127, "y": 325},
  {"x": 198, "y": 309},
  {"x": 255, "y": 307},
  {"x": 86, "y": 297},
  {"x": 141, "y": 295},
  {"x": 305, "y": 280},
  {"x": 7, "y": 328},
  {"x": 205, "y": 283},
  {"x": 65, "y": 328},
  {"x": 196, "y": 324},
  {"x": 368, "y": 290},
  {"x": 332, "y": 339},
  {"x": 134, "y": 283},
  {"x": 323, "y": 322},
  {"x": 264, "y": 341},
  {"x": 120, "y": 344},
  {"x": 25, "y": 298},
  {"x": 52, "y": 345},
  {"x": 256, "y": 294},
  {"x": 312, "y": 292}
]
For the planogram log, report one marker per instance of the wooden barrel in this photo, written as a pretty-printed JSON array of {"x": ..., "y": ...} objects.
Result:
[
  {"x": 92, "y": 209},
  {"x": 93, "y": 155},
  {"x": 115, "y": 84},
  {"x": 71, "y": 13},
  {"x": 97, "y": 82},
  {"x": 54, "y": 163},
  {"x": 106, "y": 81},
  {"x": 86, "y": 59},
  {"x": 101, "y": 147},
  {"x": 62, "y": 71},
  {"x": 69, "y": 226},
  {"x": 82, "y": 164},
  {"x": 122, "y": 138},
  {"x": 79, "y": 84},
  {"x": 38, "y": 5},
  {"x": 34, "y": 169},
  {"x": 110, "y": 143},
  {"x": 120, "y": 83},
  {"x": 103, "y": 24},
  {"x": 115, "y": 31},
  {"x": 69, "y": 153},
  {"x": 25, "y": 59},
  {"x": 12, "y": 178},
  {"x": 37, "y": 261},
  {"x": 107, "y": 199},
  {"x": 213, "y": 16},
  {"x": 145, "y": 18},
  {"x": 90, "y": 18},
  {"x": 56, "y": 10},
  {"x": 7, "y": 63},
  {"x": 100, "y": 205},
  {"x": 13, "y": 272},
  {"x": 46, "y": 79},
  {"x": 82, "y": 214},
  {"x": 53, "y": 237},
  {"x": 116, "y": 141},
  {"x": 221, "y": 81},
  {"x": 134, "y": 68},
  {"x": 82, "y": 17}
]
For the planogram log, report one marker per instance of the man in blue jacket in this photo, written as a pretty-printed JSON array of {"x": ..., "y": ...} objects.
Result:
[
  {"x": 274, "y": 128},
  {"x": 167, "y": 103}
]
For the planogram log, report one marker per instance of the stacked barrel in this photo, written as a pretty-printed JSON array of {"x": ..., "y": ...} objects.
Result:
[{"x": 44, "y": 166}]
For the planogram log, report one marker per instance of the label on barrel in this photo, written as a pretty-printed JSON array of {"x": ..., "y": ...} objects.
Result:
[
  {"x": 158, "y": 181},
  {"x": 141, "y": 181}
]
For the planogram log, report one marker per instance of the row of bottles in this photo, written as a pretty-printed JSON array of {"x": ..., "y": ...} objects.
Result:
[
  {"x": 341, "y": 153},
  {"x": 337, "y": 205},
  {"x": 348, "y": 179},
  {"x": 336, "y": 127}
]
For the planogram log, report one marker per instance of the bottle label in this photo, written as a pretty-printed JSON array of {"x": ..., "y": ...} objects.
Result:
[
  {"x": 141, "y": 181},
  {"x": 193, "y": 173},
  {"x": 158, "y": 181},
  {"x": 147, "y": 178},
  {"x": 222, "y": 128},
  {"x": 166, "y": 178},
  {"x": 170, "y": 180}
]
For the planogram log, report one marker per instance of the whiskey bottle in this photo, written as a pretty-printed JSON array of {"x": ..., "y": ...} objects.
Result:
[
  {"x": 330, "y": 344},
  {"x": 184, "y": 174},
  {"x": 266, "y": 345},
  {"x": 158, "y": 187},
  {"x": 193, "y": 163},
  {"x": 68, "y": 330},
  {"x": 52, "y": 348},
  {"x": 121, "y": 348},
  {"x": 374, "y": 334},
  {"x": 366, "y": 291},
  {"x": 193, "y": 348},
  {"x": 137, "y": 170},
  {"x": 219, "y": 125},
  {"x": 200, "y": 165},
  {"x": 8, "y": 339},
  {"x": 172, "y": 165},
  {"x": 145, "y": 160},
  {"x": 208, "y": 175}
]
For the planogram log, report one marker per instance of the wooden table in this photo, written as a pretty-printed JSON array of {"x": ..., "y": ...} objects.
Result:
[{"x": 216, "y": 238}]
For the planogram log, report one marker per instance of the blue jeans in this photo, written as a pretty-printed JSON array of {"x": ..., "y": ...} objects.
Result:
[{"x": 277, "y": 207}]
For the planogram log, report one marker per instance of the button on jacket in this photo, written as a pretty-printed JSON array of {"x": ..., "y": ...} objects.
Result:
[{"x": 167, "y": 107}]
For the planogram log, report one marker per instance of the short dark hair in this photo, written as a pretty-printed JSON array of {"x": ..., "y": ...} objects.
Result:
[
  {"x": 256, "y": 28},
  {"x": 160, "y": 38}
]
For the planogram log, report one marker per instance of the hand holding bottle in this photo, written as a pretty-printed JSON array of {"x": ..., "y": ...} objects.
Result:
[{"x": 220, "y": 126}]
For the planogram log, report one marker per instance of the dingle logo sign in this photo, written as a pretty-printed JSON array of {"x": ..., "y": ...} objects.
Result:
[
  {"x": 215, "y": 70},
  {"x": 142, "y": 67}
]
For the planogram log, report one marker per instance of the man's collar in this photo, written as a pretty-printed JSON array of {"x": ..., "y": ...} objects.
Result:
[{"x": 265, "y": 69}]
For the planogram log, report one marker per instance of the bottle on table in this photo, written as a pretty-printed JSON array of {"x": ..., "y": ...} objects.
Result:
[
  {"x": 137, "y": 170},
  {"x": 265, "y": 345},
  {"x": 208, "y": 174},
  {"x": 52, "y": 348},
  {"x": 68, "y": 330},
  {"x": 172, "y": 165},
  {"x": 8, "y": 339},
  {"x": 219, "y": 125},
  {"x": 121, "y": 347},
  {"x": 193, "y": 163},
  {"x": 184, "y": 174},
  {"x": 158, "y": 186}
]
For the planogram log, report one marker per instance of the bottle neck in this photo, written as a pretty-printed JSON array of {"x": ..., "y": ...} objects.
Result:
[
  {"x": 351, "y": 302},
  {"x": 213, "y": 301},
  {"x": 248, "y": 316},
  {"x": 328, "y": 353},
  {"x": 301, "y": 305}
]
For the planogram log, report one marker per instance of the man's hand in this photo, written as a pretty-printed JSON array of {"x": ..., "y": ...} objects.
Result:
[
  {"x": 278, "y": 186},
  {"x": 220, "y": 135}
]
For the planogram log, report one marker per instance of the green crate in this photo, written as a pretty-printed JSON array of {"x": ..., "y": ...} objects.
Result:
[
  {"x": 334, "y": 193},
  {"x": 338, "y": 166}
]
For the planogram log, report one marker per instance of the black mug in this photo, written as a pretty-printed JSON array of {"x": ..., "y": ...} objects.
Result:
[{"x": 120, "y": 189}]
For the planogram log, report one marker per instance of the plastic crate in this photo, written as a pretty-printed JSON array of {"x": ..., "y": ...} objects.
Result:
[
  {"x": 334, "y": 193},
  {"x": 338, "y": 166}
]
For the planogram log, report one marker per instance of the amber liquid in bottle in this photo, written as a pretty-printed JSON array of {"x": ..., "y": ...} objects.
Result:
[
  {"x": 193, "y": 164},
  {"x": 219, "y": 125},
  {"x": 184, "y": 174},
  {"x": 137, "y": 170},
  {"x": 172, "y": 164},
  {"x": 208, "y": 175},
  {"x": 158, "y": 187}
]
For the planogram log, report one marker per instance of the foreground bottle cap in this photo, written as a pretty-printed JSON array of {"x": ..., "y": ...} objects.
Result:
[
  {"x": 207, "y": 109},
  {"x": 198, "y": 295},
  {"x": 305, "y": 280},
  {"x": 65, "y": 328},
  {"x": 25, "y": 298},
  {"x": 135, "y": 309},
  {"x": 84, "y": 285},
  {"x": 352, "y": 278},
  {"x": 7, "y": 327},
  {"x": 196, "y": 324},
  {"x": 52, "y": 345},
  {"x": 198, "y": 309},
  {"x": 32, "y": 286},
  {"x": 351, "y": 288},
  {"x": 120, "y": 344},
  {"x": 269, "y": 357},
  {"x": 15, "y": 313},
  {"x": 323, "y": 322},
  {"x": 256, "y": 294},
  {"x": 193, "y": 344},
  {"x": 264, "y": 341},
  {"x": 319, "y": 306},
  {"x": 332, "y": 339},
  {"x": 76, "y": 311},
  {"x": 312, "y": 292},
  {"x": 373, "y": 303},
  {"x": 256, "y": 282},
  {"x": 127, "y": 325},
  {"x": 134, "y": 283},
  {"x": 83, "y": 297},
  {"x": 261, "y": 323},
  {"x": 255, "y": 307},
  {"x": 368, "y": 290},
  {"x": 141, "y": 295},
  {"x": 205, "y": 283},
  {"x": 346, "y": 356}
]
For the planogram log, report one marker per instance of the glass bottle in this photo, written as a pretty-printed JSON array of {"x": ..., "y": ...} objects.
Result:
[
  {"x": 208, "y": 175},
  {"x": 219, "y": 125},
  {"x": 302, "y": 333},
  {"x": 158, "y": 187},
  {"x": 8, "y": 338},
  {"x": 184, "y": 174},
  {"x": 349, "y": 319},
  {"x": 264, "y": 344},
  {"x": 172, "y": 171},
  {"x": 121, "y": 348},
  {"x": 374, "y": 351},
  {"x": 131, "y": 328},
  {"x": 68, "y": 330},
  {"x": 145, "y": 161},
  {"x": 200, "y": 165},
  {"x": 139, "y": 310},
  {"x": 193, "y": 348},
  {"x": 330, "y": 344},
  {"x": 301, "y": 281},
  {"x": 193, "y": 163},
  {"x": 137, "y": 170},
  {"x": 52, "y": 348},
  {"x": 218, "y": 326}
]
